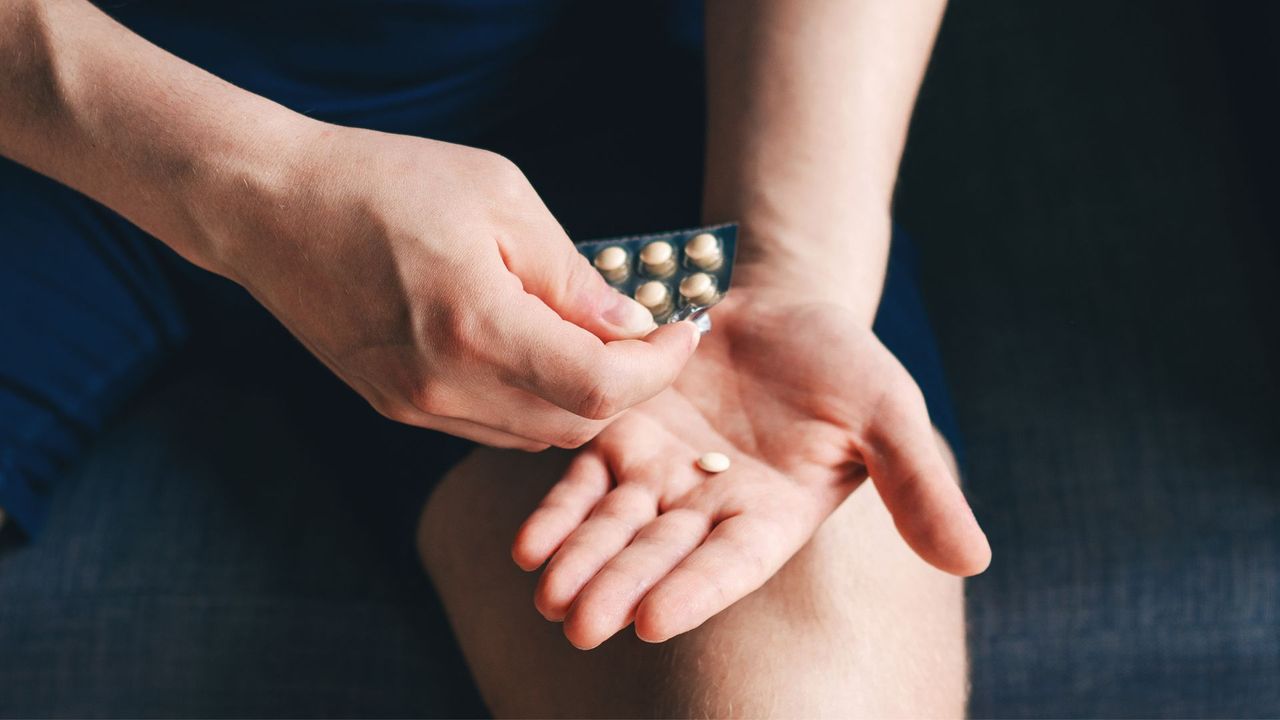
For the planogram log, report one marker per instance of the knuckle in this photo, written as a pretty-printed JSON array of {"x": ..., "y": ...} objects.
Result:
[
  {"x": 429, "y": 396},
  {"x": 456, "y": 340},
  {"x": 910, "y": 394},
  {"x": 601, "y": 400},
  {"x": 578, "y": 282},
  {"x": 453, "y": 331},
  {"x": 507, "y": 177},
  {"x": 579, "y": 273},
  {"x": 749, "y": 555},
  {"x": 902, "y": 403}
]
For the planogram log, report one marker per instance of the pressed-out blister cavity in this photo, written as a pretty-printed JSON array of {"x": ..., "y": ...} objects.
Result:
[{"x": 676, "y": 275}]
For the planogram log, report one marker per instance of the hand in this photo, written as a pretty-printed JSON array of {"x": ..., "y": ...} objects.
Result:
[
  {"x": 806, "y": 401},
  {"x": 431, "y": 278}
]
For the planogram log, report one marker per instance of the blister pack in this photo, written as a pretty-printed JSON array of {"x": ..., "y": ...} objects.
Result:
[{"x": 676, "y": 275}]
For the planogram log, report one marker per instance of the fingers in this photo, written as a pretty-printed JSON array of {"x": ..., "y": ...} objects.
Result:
[
  {"x": 552, "y": 269},
  {"x": 566, "y": 366},
  {"x": 917, "y": 486},
  {"x": 608, "y": 603},
  {"x": 516, "y": 412},
  {"x": 586, "y": 480},
  {"x": 609, "y": 529},
  {"x": 559, "y": 388},
  {"x": 740, "y": 555}
]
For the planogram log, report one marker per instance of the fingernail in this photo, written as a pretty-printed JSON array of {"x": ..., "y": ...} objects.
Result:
[
  {"x": 629, "y": 316},
  {"x": 696, "y": 336},
  {"x": 701, "y": 320}
]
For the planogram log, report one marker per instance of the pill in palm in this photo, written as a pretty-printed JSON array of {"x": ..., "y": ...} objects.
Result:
[{"x": 714, "y": 462}]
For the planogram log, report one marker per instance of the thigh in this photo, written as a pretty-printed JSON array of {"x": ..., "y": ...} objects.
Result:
[{"x": 854, "y": 624}]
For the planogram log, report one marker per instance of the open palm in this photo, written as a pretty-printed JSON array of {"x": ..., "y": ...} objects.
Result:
[{"x": 808, "y": 404}]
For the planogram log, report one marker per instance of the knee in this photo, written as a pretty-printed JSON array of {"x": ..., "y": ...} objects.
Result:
[
  {"x": 481, "y": 501},
  {"x": 854, "y": 626}
]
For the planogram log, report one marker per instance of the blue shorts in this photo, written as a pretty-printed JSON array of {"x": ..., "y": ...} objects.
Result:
[{"x": 91, "y": 307}]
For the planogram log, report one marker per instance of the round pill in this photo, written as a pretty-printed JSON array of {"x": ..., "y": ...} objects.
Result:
[
  {"x": 703, "y": 250},
  {"x": 611, "y": 258},
  {"x": 714, "y": 462},
  {"x": 653, "y": 295},
  {"x": 698, "y": 288},
  {"x": 612, "y": 264},
  {"x": 656, "y": 253}
]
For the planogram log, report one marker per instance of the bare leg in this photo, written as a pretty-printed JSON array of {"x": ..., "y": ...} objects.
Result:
[{"x": 854, "y": 625}]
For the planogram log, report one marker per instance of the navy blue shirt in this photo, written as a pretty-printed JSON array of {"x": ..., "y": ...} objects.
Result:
[{"x": 430, "y": 67}]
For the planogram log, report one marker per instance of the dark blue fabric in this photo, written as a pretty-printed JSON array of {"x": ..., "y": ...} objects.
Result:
[
  {"x": 447, "y": 68},
  {"x": 394, "y": 65},
  {"x": 86, "y": 312},
  {"x": 903, "y": 326}
]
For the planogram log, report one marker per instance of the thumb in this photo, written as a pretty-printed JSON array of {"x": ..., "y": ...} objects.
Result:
[
  {"x": 906, "y": 464},
  {"x": 553, "y": 270}
]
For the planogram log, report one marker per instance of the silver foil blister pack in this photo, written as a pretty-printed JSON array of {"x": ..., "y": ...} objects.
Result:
[{"x": 676, "y": 275}]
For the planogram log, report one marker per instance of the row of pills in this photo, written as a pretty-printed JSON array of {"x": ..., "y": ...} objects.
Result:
[
  {"x": 670, "y": 271},
  {"x": 658, "y": 258},
  {"x": 696, "y": 289}
]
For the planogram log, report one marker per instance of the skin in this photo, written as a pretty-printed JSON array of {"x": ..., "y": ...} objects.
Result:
[
  {"x": 791, "y": 383},
  {"x": 853, "y": 625},
  {"x": 787, "y": 585},
  {"x": 428, "y": 276},
  {"x": 640, "y": 534},
  {"x": 432, "y": 279}
]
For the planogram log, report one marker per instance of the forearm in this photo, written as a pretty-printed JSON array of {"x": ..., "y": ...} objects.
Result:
[
  {"x": 808, "y": 107},
  {"x": 164, "y": 143}
]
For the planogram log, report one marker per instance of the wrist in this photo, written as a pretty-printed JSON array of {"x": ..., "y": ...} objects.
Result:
[
  {"x": 242, "y": 184},
  {"x": 169, "y": 146},
  {"x": 842, "y": 264}
]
